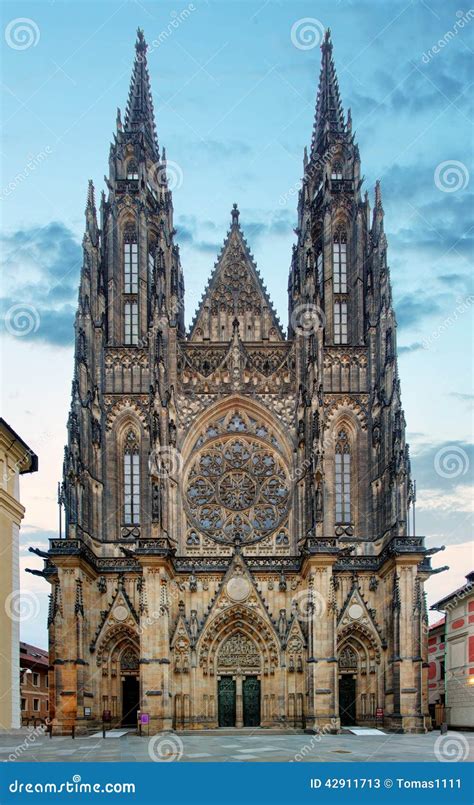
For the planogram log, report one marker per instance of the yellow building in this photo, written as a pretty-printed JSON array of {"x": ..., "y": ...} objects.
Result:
[{"x": 16, "y": 459}]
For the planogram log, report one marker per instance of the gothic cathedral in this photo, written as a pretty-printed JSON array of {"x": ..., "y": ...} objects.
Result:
[{"x": 237, "y": 548}]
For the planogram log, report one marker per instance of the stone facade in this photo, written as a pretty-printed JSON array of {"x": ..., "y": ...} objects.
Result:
[
  {"x": 16, "y": 459},
  {"x": 459, "y": 655},
  {"x": 237, "y": 545}
]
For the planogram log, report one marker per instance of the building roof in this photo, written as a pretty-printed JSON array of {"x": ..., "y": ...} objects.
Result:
[
  {"x": 460, "y": 592},
  {"x": 33, "y": 654},
  {"x": 439, "y": 623},
  {"x": 30, "y": 461}
]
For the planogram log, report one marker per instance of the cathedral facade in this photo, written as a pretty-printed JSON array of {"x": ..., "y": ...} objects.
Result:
[{"x": 237, "y": 548}]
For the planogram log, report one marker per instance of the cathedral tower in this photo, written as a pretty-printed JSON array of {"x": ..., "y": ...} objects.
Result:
[{"x": 237, "y": 545}]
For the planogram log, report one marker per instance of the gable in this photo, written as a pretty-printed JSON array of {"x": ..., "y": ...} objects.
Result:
[{"x": 235, "y": 293}]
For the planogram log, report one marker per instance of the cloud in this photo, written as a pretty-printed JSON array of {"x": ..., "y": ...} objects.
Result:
[
  {"x": 41, "y": 267},
  {"x": 443, "y": 465},
  {"x": 410, "y": 310},
  {"x": 415, "y": 347},
  {"x": 459, "y": 500},
  {"x": 467, "y": 398}
]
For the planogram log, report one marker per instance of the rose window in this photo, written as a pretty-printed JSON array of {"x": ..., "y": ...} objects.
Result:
[{"x": 237, "y": 490}]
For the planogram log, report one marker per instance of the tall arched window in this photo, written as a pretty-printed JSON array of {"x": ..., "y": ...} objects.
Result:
[
  {"x": 130, "y": 260},
  {"x": 339, "y": 262},
  {"x": 131, "y": 480},
  {"x": 343, "y": 478},
  {"x": 336, "y": 172}
]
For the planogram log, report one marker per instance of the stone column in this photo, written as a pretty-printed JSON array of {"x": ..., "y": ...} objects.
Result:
[
  {"x": 155, "y": 656},
  {"x": 239, "y": 700},
  {"x": 322, "y": 703}
]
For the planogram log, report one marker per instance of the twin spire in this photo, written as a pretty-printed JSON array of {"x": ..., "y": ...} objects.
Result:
[
  {"x": 329, "y": 115},
  {"x": 139, "y": 114}
]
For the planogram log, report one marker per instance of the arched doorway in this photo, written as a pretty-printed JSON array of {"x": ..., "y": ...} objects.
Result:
[
  {"x": 117, "y": 656},
  {"x": 348, "y": 665},
  {"x": 238, "y": 682},
  {"x": 130, "y": 687},
  {"x": 360, "y": 681}
]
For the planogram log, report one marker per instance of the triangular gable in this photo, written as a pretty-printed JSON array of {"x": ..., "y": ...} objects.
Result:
[
  {"x": 120, "y": 612},
  {"x": 355, "y": 612},
  {"x": 235, "y": 292},
  {"x": 232, "y": 591}
]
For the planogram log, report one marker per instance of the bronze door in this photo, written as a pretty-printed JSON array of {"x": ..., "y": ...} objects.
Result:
[
  {"x": 251, "y": 695},
  {"x": 226, "y": 699}
]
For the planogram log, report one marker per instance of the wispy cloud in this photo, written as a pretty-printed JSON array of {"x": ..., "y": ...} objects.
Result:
[{"x": 41, "y": 267}]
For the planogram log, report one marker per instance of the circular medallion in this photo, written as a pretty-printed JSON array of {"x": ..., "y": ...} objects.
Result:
[
  {"x": 355, "y": 612},
  {"x": 120, "y": 613},
  {"x": 238, "y": 588}
]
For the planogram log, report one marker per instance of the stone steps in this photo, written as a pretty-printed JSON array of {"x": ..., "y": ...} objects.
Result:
[{"x": 242, "y": 731}]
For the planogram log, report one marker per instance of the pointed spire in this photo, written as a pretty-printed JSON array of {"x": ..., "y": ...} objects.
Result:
[
  {"x": 139, "y": 115},
  {"x": 329, "y": 116}
]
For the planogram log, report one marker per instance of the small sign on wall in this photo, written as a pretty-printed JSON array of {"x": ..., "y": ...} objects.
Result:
[
  {"x": 144, "y": 718},
  {"x": 87, "y": 712}
]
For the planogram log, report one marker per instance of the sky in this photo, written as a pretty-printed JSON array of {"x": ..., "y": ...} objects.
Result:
[{"x": 234, "y": 86}]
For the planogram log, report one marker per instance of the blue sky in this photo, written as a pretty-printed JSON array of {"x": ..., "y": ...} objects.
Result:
[{"x": 234, "y": 102}]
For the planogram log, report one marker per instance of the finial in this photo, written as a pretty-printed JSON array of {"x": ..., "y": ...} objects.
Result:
[
  {"x": 235, "y": 215},
  {"x": 327, "y": 39},
  {"x": 349, "y": 120},
  {"x": 90, "y": 195},
  {"x": 140, "y": 44},
  {"x": 119, "y": 119},
  {"x": 305, "y": 158},
  {"x": 235, "y": 325}
]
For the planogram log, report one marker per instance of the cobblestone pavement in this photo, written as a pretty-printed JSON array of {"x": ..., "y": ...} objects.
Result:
[{"x": 21, "y": 746}]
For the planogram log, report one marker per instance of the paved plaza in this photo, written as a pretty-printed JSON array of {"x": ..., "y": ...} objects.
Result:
[{"x": 237, "y": 746}]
